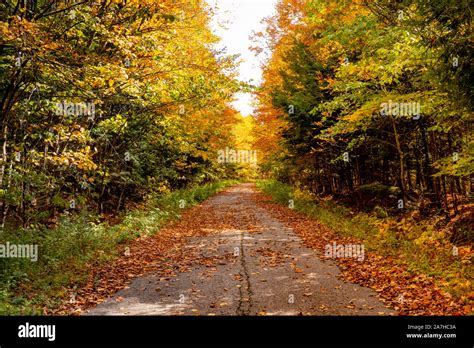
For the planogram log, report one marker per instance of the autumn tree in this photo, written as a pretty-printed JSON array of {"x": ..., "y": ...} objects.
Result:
[
  {"x": 102, "y": 101},
  {"x": 374, "y": 99}
]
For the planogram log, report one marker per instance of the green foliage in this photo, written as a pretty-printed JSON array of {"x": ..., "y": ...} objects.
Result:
[
  {"x": 343, "y": 79},
  {"x": 374, "y": 189},
  {"x": 380, "y": 212},
  {"x": 101, "y": 103}
]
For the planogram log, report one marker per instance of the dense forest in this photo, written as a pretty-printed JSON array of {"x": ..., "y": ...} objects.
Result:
[
  {"x": 362, "y": 100},
  {"x": 371, "y": 102},
  {"x": 102, "y": 101},
  {"x": 119, "y": 115}
]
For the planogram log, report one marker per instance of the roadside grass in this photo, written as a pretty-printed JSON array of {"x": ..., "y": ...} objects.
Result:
[
  {"x": 416, "y": 244},
  {"x": 66, "y": 252}
]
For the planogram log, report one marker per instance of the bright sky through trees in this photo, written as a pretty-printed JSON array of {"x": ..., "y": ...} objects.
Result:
[{"x": 234, "y": 22}]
